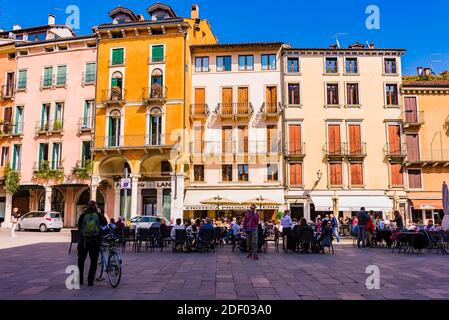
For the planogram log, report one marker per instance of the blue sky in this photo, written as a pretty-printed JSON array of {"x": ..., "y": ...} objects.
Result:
[{"x": 421, "y": 27}]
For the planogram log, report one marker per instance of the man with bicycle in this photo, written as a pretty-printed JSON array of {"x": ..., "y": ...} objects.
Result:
[{"x": 90, "y": 224}]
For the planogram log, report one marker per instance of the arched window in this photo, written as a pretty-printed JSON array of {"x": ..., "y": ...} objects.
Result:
[
  {"x": 157, "y": 84},
  {"x": 155, "y": 130},
  {"x": 116, "y": 86},
  {"x": 84, "y": 199},
  {"x": 115, "y": 119},
  {"x": 57, "y": 202}
]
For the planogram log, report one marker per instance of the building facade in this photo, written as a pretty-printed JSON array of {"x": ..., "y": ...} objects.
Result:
[
  {"x": 235, "y": 141},
  {"x": 426, "y": 129},
  {"x": 343, "y": 130},
  {"x": 141, "y": 123}
]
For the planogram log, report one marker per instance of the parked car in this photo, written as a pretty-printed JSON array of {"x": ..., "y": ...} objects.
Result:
[
  {"x": 142, "y": 222},
  {"x": 42, "y": 221}
]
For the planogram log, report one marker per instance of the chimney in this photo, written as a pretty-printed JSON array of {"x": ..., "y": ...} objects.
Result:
[
  {"x": 427, "y": 72},
  {"x": 51, "y": 19},
  {"x": 195, "y": 12},
  {"x": 16, "y": 27},
  {"x": 420, "y": 71},
  {"x": 371, "y": 46}
]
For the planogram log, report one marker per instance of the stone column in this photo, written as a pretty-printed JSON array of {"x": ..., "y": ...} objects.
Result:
[
  {"x": 48, "y": 192},
  {"x": 177, "y": 200},
  {"x": 93, "y": 192},
  {"x": 8, "y": 211},
  {"x": 117, "y": 200},
  {"x": 134, "y": 193}
]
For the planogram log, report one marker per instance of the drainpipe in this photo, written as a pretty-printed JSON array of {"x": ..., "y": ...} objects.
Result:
[
  {"x": 283, "y": 128},
  {"x": 185, "y": 95}
]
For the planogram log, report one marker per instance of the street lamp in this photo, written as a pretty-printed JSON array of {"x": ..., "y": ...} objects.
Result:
[{"x": 319, "y": 175}]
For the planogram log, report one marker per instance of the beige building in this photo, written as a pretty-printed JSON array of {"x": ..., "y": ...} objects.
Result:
[{"x": 343, "y": 130}]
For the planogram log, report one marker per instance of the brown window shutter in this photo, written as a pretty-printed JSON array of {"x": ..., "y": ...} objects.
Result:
[
  {"x": 396, "y": 174},
  {"x": 242, "y": 100},
  {"x": 355, "y": 141},
  {"x": 198, "y": 139},
  {"x": 413, "y": 147},
  {"x": 227, "y": 101},
  {"x": 243, "y": 139},
  {"x": 394, "y": 139},
  {"x": 411, "y": 109},
  {"x": 334, "y": 139},
  {"x": 296, "y": 174},
  {"x": 356, "y": 174},
  {"x": 227, "y": 140},
  {"x": 295, "y": 139},
  {"x": 200, "y": 96},
  {"x": 414, "y": 179},
  {"x": 336, "y": 178}
]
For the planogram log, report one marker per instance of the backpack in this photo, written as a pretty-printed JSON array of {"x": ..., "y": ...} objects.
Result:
[{"x": 91, "y": 226}]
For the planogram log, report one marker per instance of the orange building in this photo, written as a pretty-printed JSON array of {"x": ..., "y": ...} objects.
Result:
[{"x": 141, "y": 118}]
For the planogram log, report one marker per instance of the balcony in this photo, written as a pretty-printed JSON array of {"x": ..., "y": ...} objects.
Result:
[
  {"x": 271, "y": 111},
  {"x": 430, "y": 158},
  {"x": 335, "y": 150},
  {"x": 86, "y": 124},
  {"x": 45, "y": 169},
  {"x": 116, "y": 96},
  {"x": 11, "y": 130},
  {"x": 7, "y": 92},
  {"x": 134, "y": 142},
  {"x": 355, "y": 151},
  {"x": 154, "y": 94},
  {"x": 295, "y": 152},
  {"x": 413, "y": 120},
  {"x": 235, "y": 111},
  {"x": 396, "y": 152},
  {"x": 199, "y": 111},
  {"x": 49, "y": 127}
]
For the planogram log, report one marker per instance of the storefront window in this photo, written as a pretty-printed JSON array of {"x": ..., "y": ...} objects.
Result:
[{"x": 167, "y": 204}]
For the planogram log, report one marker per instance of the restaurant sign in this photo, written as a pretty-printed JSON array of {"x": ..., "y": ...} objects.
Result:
[{"x": 149, "y": 185}]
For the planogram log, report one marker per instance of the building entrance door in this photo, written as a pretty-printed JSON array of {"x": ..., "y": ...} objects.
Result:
[
  {"x": 149, "y": 203},
  {"x": 297, "y": 211}
]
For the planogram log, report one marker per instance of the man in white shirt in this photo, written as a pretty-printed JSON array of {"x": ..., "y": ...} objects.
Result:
[
  {"x": 286, "y": 223},
  {"x": 178, "y": 226}
]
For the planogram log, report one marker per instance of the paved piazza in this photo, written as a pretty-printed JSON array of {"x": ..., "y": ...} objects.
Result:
[{"x": 37, "y": 271}]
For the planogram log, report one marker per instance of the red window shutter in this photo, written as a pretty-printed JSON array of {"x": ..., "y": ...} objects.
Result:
[
  {"x": 356, "y": 174},
  {"x": 397, "y": 178},
  {"x": 334, "y": 139},
  {"x": 295, "y": 139},
  {"x": 296, "y": 174},
  {"x": 336, "y": 178},
  {"x": 394, "y": 139},
  {"x": 355, "y": 143}
]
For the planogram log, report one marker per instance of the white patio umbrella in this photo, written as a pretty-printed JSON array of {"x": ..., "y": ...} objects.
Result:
[{"x": 445, "y": 224}]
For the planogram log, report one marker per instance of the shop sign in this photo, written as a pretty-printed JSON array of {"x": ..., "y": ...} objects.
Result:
[
  {"x": 125, "y": 184},
  {"x": 144, "y": 185}
]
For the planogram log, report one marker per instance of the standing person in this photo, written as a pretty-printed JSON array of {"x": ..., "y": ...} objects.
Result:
[
  {"x": 398, "y": 220},
  {"x": 362, "y": 218},
  {"x": 286, "y": 223},
  {"x": 90, "y": 224},
  {"x": 14, "y": 221},
  {"x": 370, "y": 228},
  {"x": 251, "y": 227},
  {"x": 334, "y": 223}
]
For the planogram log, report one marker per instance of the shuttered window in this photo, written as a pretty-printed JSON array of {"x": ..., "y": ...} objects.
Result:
[
  {"x": 157, "y": 53},
  {"x": 242, "y": 100},
  {"x": 355, "y": 142},
  {"x": 414, "y": 179},
  {"x": 271, "y": 100},
  {"x": 272, "y": 139},
  {"x": 413, "y": 147},
  {"x": 22, "y": 83},
  {"x": 411, "y": 110},
  {"x": 118, "y": 56},
  {"x": 61, "y": 77},
  {"x": 356, "y": 174},
  {"x": 294, "y": 139},
  {"x": 226, "y": 101},
  {"x": 333, "y": 139},
  {"x": 243, "y": 139},
  {"x": 296, "y": 174},
  {"x": 397, "y": 179},
  {"x": 335, "y": 174},
  {"x": 227, "y": 141},
  {"x": 394, "y": 139}
]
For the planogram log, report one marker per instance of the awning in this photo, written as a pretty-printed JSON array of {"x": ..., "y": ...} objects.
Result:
[
  {"x": 194, "y": 198},
  {"x": 322, "y": 203},
  {"x": 369, "y": 202},
  {"x": 427, "y": 204}
]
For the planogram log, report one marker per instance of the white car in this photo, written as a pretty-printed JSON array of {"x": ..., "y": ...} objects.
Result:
[
  {"x": 42, "y": 221},
  {"x": 142, "y": 222}
]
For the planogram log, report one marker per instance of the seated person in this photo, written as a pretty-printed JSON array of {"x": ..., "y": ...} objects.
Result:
[
  {"x": 165, "y": 231},
  {"x": 156, "y": 224},
  {"x": 430, "y": 225},
  {"x": 206, "y": 226},
  {"x": 120, "y": 223},
  {"x": 178, "y": 226}
]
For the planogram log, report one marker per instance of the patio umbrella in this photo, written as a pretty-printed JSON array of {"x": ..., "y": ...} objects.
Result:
[
  {"x": 445, "y": 224},
  {"x": 260, "y": 201}
]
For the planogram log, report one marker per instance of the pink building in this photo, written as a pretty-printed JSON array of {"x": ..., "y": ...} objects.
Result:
[{"x": 53, "y": 114}]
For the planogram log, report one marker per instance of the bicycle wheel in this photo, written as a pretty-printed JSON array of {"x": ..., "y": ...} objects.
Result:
[
  {"x": 102, "y": 265},
  {"x": 114, "y": 269}
]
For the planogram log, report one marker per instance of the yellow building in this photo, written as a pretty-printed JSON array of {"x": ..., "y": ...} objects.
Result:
[
  {"x": 141, "y": 118},
  {"x": 426, "y": 129}
]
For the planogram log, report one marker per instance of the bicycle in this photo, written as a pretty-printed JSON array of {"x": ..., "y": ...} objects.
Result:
[{"x": 113, "y": 264}]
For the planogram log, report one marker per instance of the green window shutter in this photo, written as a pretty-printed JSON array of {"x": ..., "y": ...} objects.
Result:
[
  {"x": 61, "y": 75},
  {"x": 114, "y": 82},
  {"x": 43, "y": 117},
  {"x": 117, "y": 56},
  {"x": 110, "y": 139},
  {"x": 48, "y": 76},
  {"x": 89, "y": 77},
  {"x": 157, "y": 53},
  {"x": 22, "y": 79},
  {"x": 14, "y": 157}
]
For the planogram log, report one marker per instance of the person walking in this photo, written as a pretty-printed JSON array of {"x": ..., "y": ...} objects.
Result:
[
  {"x": 362, "y": 218},
  {"x": 90, "y": 224},
  {"x": 251, "y": 227},
  {"x": 14, "y": 221},
  {"x": 286, "y": 223},
  {"x": 334, "y": 223}
]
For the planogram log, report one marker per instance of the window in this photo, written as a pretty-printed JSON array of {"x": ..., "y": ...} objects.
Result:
[
  {"x": 43, "y": 154},
  {"x": 352, "y": 94},
  {"x": 390, "y": 66},
  {"x": 45, "y": 117},
  {"x": 243, "y": 172},
  {"x": 356, "y": 170},
  {"x": 86, "y": 152},
  {"x": 165, "y": 168},
  {"x": 61, "y": 76},
  {"x": 331, "y": 65},
  {"x": 22, "y": 82},
  {"x": 226, "y": 173},
  {"x": 227, "y": 141},
  {"x": 88, "y": 111},
  {"x": 394, "y": 140},
  {"x": 272, "y": 172},
  {"x": 57, "y": 156},
  {"x": 413, "y": 147},
  {"x": 7, "y": 120},
  {"x": 202, "y": 64},
  {"x": 115, "y": 118},
  {"x": 293, "y": 65},
  {"x": 332, "y": 94},
  {"x": 155, "y": 132},
  {"x": 272, "y": 139},
  {"x": 296, "y": 174},
  {"x": 397, "y": 179},
  {"x": 58, "y": 117},
  {"x": 246, "y": 63},
  {"x": 116, "y": 86},
  {"x": 351, "y": 66},
  {"x": 5, "y": 157},
  {"x": 334, "y": 145},
  {"x": 157, "y": 53},
  {"x": 224, "y": 63},
  {"x": 414, "y": 179},
  {"x": 118, "y": 56},
  {"x": 335, "y": 175},
  {"x": 242, "y": 140},
  {"x": 198, "y": 173},
  {"x": 17, "y": 158},
  {"x": 268, "y": 62},
  {"x": 293, "y": 94},
  {"x": 89, "y": 75},
  {"x": 8, "y": 90},
  {"x": 391, "y": 91},
  {"x": 294, "y": 140},
  {"x": 48, "y": 77},
  {"x": 355, "y": 139}
]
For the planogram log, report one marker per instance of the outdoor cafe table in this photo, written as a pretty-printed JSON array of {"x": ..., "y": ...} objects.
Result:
[{"x": 415, "y": 239}]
